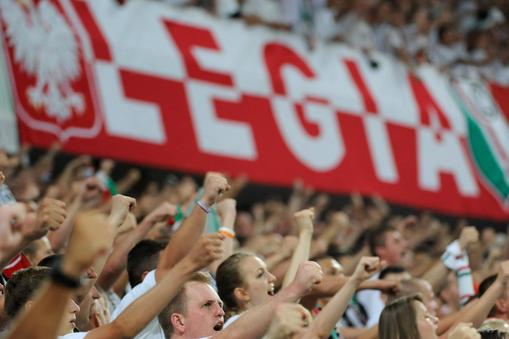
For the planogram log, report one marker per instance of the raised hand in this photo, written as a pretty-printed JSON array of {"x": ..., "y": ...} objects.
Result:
[
  {"x": 12, "y": 217},
  {"x": 50, "y": 215},
  {"x": 215, "y": 184},
  {"x": 208, "y": 249},
  {"x": 162, "y": 213},
  {"x": 503, "y": 272},
  {"x": 128, "y": 225},
  {"x": 304, "y": 220},
  {"x": 308, "y": 274},
  {"x": 90, "y": 239},
  {"x": 120, "y": 206},
  {"x": 366, "y": 267},
  {"x": 289, "y": 320},
  {"x": 469, "y": 235}
]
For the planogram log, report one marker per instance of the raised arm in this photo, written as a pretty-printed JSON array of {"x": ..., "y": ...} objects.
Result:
[
  {"x": 192, "y": 227},
  {"x": 144, "y": 309},
  {"x": 91, "y": 238},
  {"x": 304, "y": 221},
  {"x": 227, "y": 212},
  {"x": 332, "y": 312},
  {"x": 255, "y": 322},
  {"x": 117, "y": 261}
]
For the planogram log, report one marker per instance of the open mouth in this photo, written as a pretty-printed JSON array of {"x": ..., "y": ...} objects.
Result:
[
  {"x": 271, "y": 291},
  {"x": 218, "y": 326}
]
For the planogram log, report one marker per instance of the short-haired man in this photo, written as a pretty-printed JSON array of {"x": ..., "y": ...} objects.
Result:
[
  {"x": 388, "y": 244},
  {"x": 142, "y": 259},
  {"x": 195, "y": 312}
]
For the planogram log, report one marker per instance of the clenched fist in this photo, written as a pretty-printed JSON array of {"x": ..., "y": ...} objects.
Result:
[{"x": 215, "y": 184}]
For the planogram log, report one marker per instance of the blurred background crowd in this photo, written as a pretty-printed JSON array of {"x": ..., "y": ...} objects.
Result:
[{"x": 465, "y": 38}]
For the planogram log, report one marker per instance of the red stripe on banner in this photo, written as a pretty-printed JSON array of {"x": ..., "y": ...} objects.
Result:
[
  {"x": 368, "y": 100},
  {"x": 427, "y": 104},
  {"x": 501, "y": 96},
  {"x": 97, "y": 39},
  {"x": 311, "y": 128}
]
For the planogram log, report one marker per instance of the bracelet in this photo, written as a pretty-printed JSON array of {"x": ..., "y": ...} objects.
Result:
[
  {"x": 203, "y": 206},
  {"x": 60, "y": 278},
  {"x": 227, "y": 232}
]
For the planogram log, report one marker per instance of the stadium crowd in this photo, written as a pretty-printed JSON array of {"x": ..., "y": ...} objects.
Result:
[
  {"x": 465, "y": 38},
  {"x": 82, "y": 259}
]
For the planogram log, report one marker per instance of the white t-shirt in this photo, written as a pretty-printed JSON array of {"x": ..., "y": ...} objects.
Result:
[
  {"x": 231, "y": 320},
  {"x": 372, "y": 302},
  {"x": 153, "y": 330}
]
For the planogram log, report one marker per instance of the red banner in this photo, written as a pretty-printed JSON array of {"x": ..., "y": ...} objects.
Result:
[{"x": 150, "y": 84}]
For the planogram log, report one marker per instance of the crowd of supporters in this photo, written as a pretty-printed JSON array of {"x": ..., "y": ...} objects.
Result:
[
  {"x": 464, "y": 38},
  {"x": 82, "y": 259}
]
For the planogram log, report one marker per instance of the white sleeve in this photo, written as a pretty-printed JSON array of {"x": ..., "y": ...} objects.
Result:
[{"x": 153, "y": 330}]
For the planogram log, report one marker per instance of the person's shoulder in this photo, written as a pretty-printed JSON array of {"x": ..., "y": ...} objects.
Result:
[{"x": 147, "y": 284}]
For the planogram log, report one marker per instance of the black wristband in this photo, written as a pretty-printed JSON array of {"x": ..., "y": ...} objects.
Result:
[{"x": 60, "y": 278}]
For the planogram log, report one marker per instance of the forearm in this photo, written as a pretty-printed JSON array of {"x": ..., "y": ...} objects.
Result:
[
  {"x": 179, "y": 246},
  {"x": 478, "y": 312},
  {"x": 300, "y": 255},
  {"x": 58, "y": 239},
  {"x": 138, "y": 315},
  {"x": 332, "y": 312},
  {"x": 117, "y": 261}
]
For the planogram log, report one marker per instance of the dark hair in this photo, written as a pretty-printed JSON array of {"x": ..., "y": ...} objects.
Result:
[
  {"x": 21, "y": 287},
  {"x": 492, "y": 334},
  {"x": 51, "y": 261},
  {"x": 399, "y": 319},
  {"x": 393, "y": 269},
  {"x": 376, "y": 237},
  {"x": 228, "y": 278},
  {"x": 483, "y": 287},
  {"x": 178, "y": 303},
  {"x": 142, "y": 258}
]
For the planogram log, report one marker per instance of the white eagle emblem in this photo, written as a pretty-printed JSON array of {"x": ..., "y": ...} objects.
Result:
[{"x": 46, "y": 48}]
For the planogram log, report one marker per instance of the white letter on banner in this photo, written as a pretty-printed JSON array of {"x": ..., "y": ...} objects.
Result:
[
  {"x": 321, "y": 153},
  {"x": 443, "y": 156},
  {"x": 215, "y": 135},
  {"x": 129, "y": 118}
]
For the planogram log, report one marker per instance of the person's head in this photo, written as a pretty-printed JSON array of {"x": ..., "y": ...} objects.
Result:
[
  {"x": 195, "y": 312},
  {"x": 388, "y": 244},
  {"x": 449, "y": 293},
  {"x": 423, "y": 288},
  {"x": 407, "y": 318},
  {"x": 142, "y": 259},
  {"x": 330, "y": 266},
  {"x": 494, "y": 329},
  {"x": 37, "y": 250},
  {"x": 20, "y": 290},
  {"x": 447, "y": 34},
  {"x": 243, "y": 281}
]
